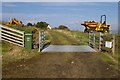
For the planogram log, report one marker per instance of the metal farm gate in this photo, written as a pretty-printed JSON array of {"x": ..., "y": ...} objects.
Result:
[
  {"x": 41, "y": 40},
  {"x": 94, "y": 40},
  {"x": 104, "y": 42},
  {"x": 12, "y": 35}
]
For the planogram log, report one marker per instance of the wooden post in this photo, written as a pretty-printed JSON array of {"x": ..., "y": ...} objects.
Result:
[
  {"x": 100, "y": 42},
  {"x": 23, "y": 39},
  {"x": 89, "y": 39},
  {"x": 113, "y": 49},
  {"x": 94, "y": 39},
  {"x": 39, "y": 41}
]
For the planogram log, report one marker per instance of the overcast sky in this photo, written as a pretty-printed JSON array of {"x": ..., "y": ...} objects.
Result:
[{"x": 71, "y": 14}]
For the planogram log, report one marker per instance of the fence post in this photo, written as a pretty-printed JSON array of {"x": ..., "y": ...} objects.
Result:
[
  {"x": 113, "y": 49},
  {"x": 100, "y": 42},
  {"x": 39, "y": 41},
  {"x": 89, "y": 38},
  {"x": 94, "y": 39},
  {"x": 24, "y": 40}
]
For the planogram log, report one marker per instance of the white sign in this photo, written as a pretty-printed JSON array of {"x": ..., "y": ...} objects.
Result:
[{"x": 108, "y": 44}]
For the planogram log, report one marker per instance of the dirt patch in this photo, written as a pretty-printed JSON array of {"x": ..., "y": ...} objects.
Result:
[{"x": 57, "y": 65}]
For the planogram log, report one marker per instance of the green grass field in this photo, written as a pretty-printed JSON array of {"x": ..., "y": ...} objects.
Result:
[
  {"x": 83, "y": 37},
  {"x": 13, "y": 53}
]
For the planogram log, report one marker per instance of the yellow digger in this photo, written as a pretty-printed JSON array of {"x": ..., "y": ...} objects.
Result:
[
  {"x": 91, "y": 26},
  {"x": 13, "y": 22}
]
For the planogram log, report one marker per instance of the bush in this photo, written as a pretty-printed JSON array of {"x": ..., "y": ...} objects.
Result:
[
  {"x": 63, "y": 27},
  {"x": 42, "y": 25},
  {"x": 29, "y": 24}
]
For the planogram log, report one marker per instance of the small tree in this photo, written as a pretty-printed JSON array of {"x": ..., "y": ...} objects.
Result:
[{"x": 29, "y": 24}]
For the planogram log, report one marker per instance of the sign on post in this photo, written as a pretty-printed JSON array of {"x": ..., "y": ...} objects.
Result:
[{"x": 108, "y": 44}]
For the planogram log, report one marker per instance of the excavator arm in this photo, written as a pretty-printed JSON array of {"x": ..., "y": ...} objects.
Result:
[{"x": 13, "y": 22}]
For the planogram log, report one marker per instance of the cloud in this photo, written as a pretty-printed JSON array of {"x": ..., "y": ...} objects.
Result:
[
  {"x": 30, "y": 17},
  {"x": 60, "y": 4},
  {"x": 74, "y": 22},
  {"x": 9, "y": 16},
  {"x": 25, "y": 15},
  {"x": 64, "y": 8},
  {"x": 30, "y": 21},
  {"x": 9, "y": 4}
]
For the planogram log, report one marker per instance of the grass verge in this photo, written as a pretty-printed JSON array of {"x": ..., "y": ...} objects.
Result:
[
  {"x": 13, "y": 53},
  {"x": 83, "y": 37}
]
